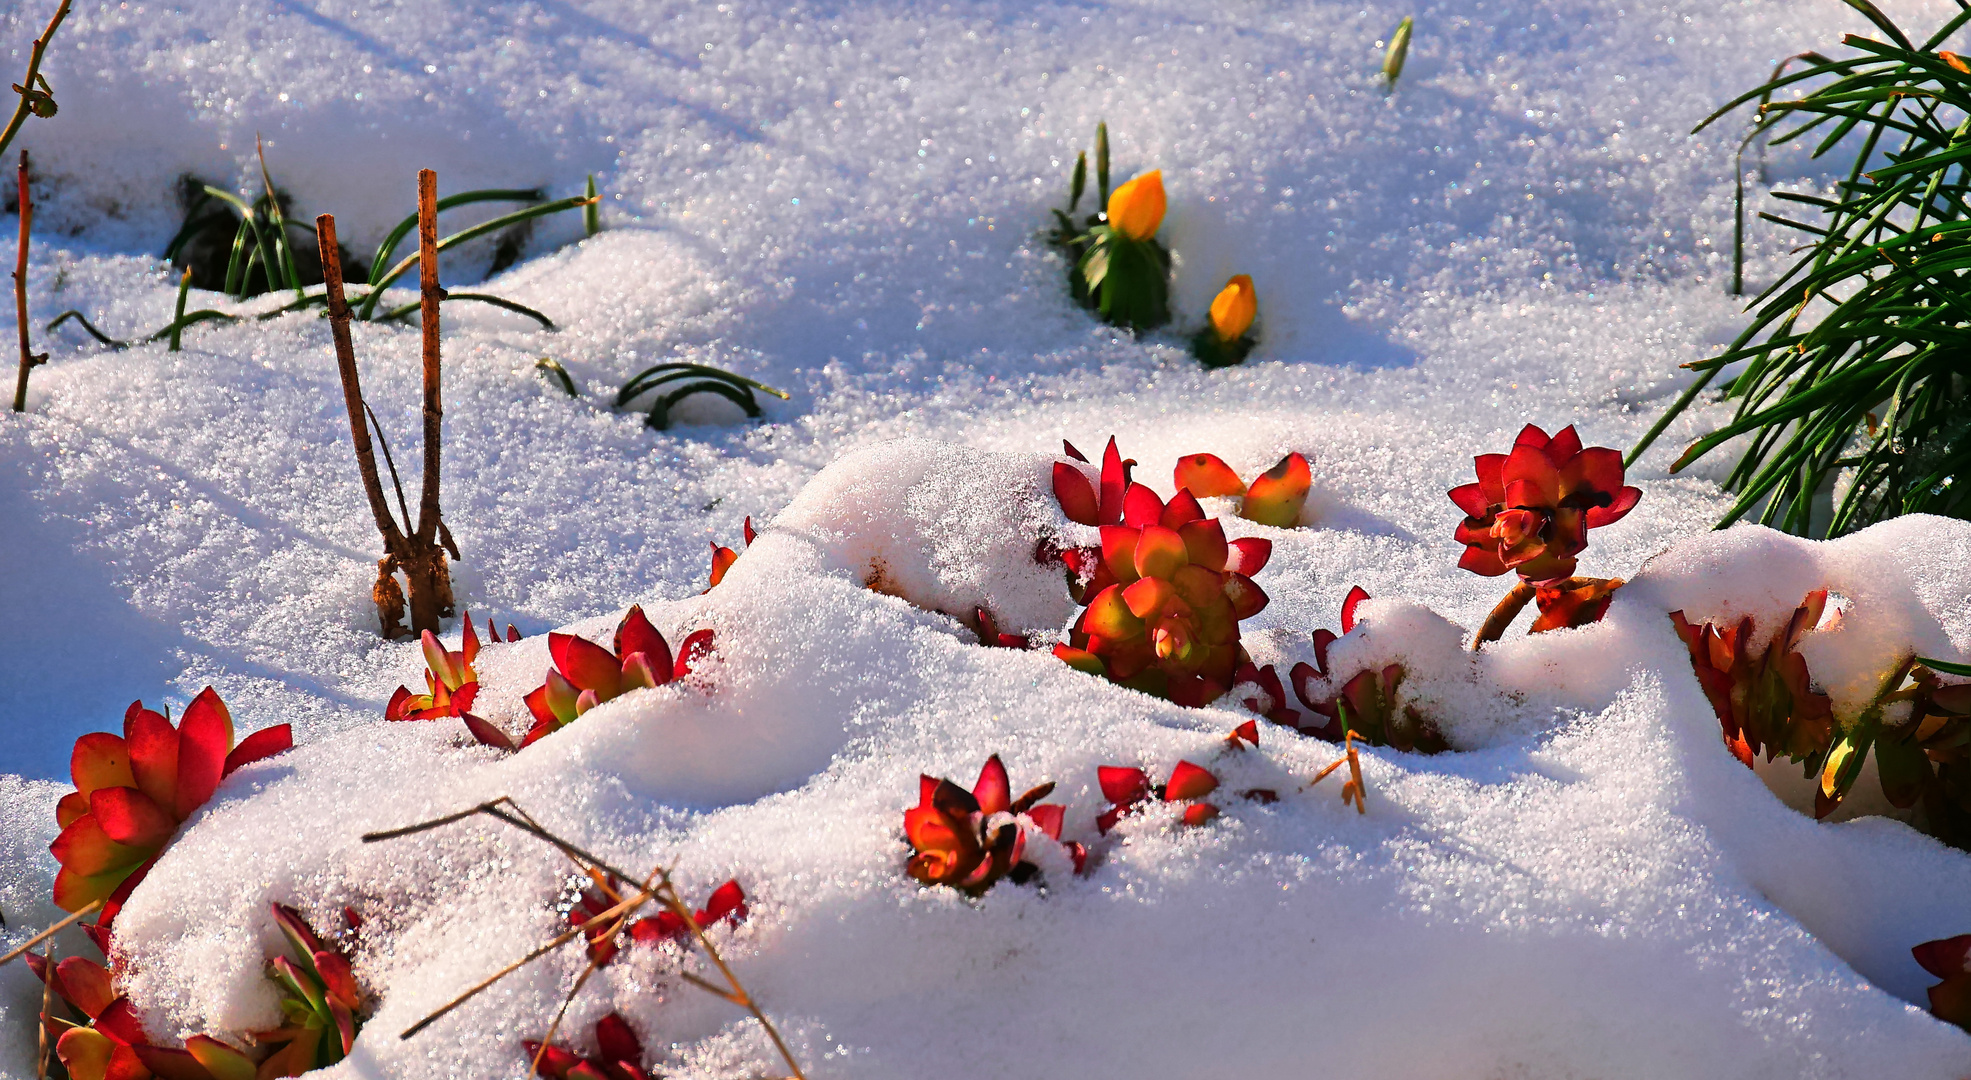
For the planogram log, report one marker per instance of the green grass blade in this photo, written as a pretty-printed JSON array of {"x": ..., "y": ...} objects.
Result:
[{"x": 404, "y": 227}]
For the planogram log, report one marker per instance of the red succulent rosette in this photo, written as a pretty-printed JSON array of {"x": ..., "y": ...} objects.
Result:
[{"x": 1531, "y": 509}]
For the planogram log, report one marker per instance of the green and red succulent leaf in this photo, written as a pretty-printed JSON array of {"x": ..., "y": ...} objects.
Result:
[
  {"x": 585, "y": 674},
  {"x": 1129, "y": 788}
]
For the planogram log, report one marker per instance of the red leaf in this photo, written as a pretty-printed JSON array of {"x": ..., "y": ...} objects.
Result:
[
  {"x": 119, "y": 1021},
  {"x": 994, "y": 791},
  {"x": 1355, "y": 597},
  {"x": 636, "y": 635},
  {"x": 1075, "y": 494},
  {"x": 728, "y": 902},
  {"x": 205, "y": 736},
  {"x": 1199, "y": 813},
  {"x": 1248, "y": 556},
  {"x": 1206, "y": 475},
  {"x": 616, "y": 1040},
  {"x": 1047, "y": 818},
  {"x": 1140, "y": 507},
  {"x": 128, "y": 816},
  {"x": 152, "y": 744},
  {"x": 1122, "y": 786},
  {"x": 84, "y": 984},
  {"x": 487, "y": 734},
  {"x": 100, "y": 760},
  {"x": 1188, "y": 781},
  {"x": 269, "y": 741},
  {"x": 1068, "y": 448},
  {"x": 697, "y": 646},
  {"x": 586, "y": 665}
]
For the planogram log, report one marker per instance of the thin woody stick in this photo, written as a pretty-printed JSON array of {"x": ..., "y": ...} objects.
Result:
[
  {"x": 44, "y": 935},
  {"x": 29, "y": 358},
  {"x": 664, "y": 892},
  {"x": 47, "y": 999},
  {"x": 352, "y": 385},
  {"x": 26, "y": 88},
  {"x": 429, "y": 296},
  {"x": 560, "y": 939}
]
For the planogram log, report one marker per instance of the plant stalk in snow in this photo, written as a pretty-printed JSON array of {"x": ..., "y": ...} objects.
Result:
[
  {"x": 35, "y": 95},
  {"x": 29, "y": 357},
  {"x": 418, "y": 553}
]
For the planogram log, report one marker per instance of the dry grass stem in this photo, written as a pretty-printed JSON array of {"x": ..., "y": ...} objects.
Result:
[
  {"x": 44, "y": 935},
  {"x": 47, "y": 1002},
  {"x": 1502, "y": 616},
  {"x": 1352, "y": 791},
  {"x": 657, "y": 887}
]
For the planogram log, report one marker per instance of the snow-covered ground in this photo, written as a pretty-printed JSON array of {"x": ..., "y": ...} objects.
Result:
[{"x": 844, "y": 200}]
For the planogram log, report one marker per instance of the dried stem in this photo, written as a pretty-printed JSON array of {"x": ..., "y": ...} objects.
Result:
[
  {"x": 51, "y": 931},
  {"x": 663, "y": 892},
  {"x": 29, "y": 357},
  {"x": 26, "y": 88},
  {"x": 352, "y": 385},
  {"x": 429, "y": 297},
  {"x": 1503, "y": 615},
  {"x": 1354, "y": 791},
  {"x": 47, "y": 1002},
  {"x": 418, "y": 554}
]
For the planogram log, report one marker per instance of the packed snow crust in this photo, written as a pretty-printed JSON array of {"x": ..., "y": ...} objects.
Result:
[{"x": 843, "y": 201}]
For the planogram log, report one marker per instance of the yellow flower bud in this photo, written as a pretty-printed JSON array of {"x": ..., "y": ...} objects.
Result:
[
  {"x": 1232, "y": 310},
  {"x": 1136, "y": 208}
]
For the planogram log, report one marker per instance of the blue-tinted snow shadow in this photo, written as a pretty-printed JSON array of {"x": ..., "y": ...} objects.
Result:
[{"x": 73, "y": 651}]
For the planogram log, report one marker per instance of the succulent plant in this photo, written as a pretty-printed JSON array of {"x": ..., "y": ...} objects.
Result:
[
  {"x": 726, "y": 903},
  {"x": 1531, "y": 509},
  {"x": 1767, "y": 702},
  {"x": 321, "y": 1005},
  {"x": 1271, "y": 702},
  {"x": 1369, "y": 703},
  {"x": 724, "y": 557},
  {"x": 132, "y": 791},
  {"x": 1165, "y": 593},
  {"x": 1950, "y": 960},
  {"x": 618, "y": 1056},
  {"x": 1128, "y": 788},
  {"x": 969, "y": 840},
  {"x": 586, "y": 674},
  {"x": 1275, "y": 497}
]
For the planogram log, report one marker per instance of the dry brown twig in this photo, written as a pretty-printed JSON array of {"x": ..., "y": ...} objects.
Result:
[
  {"x": 1353, "y": 790},
  {"x": 419, "y": 553},
  {"x": 29, "y": 358},
  {"x": 657, "y": 887},
  {"x": 47, "y": 1001},
  {"x": 44, "y": 935}
]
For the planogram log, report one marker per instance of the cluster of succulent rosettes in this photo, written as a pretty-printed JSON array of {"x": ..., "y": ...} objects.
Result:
[
  {"x": 1163, "y": 612},
  {"x": 1226, "y": 338},
  {"x": 97, "y": 1035},
  {"x": 727, "y": 904},
  {"x": 451, "y": 684},
  {"x": 1129, "y": 788},
  {"x": 586, "y": 674},
  {"x": 618, "y": 1056},
  {"x": 1766, "y": 700},
  {"x": 1949, "y": 959},
  {"x": 132, "y": 791},
  {"x": 724, "y": 557},
  {"x": 1529, "y": 513},
  {"x": 1275, "y": 497},
  {"x": 1368, "y": 703},
  {"x": 969, "y": 840},
  {"x": 321, "y": 1006},
  {"x": 1531, "y": 509}
]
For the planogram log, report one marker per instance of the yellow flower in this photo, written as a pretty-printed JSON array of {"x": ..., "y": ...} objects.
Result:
[
  {"x": 1232, "y": 310},
  {"x": 1136, "y": 208}
]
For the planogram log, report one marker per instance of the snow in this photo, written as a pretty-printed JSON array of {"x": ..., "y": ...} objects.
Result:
[{"x": 843, "y": 201}]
